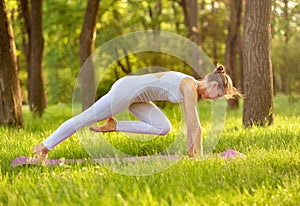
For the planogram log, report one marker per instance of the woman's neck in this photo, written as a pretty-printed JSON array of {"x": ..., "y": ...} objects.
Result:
[{"x": 201, "y": 87}]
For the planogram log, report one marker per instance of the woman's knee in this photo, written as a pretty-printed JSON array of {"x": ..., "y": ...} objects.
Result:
[{"x": 165, "y": 127}]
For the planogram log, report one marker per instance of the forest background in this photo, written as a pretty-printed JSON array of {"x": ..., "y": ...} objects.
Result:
[{"x": 63, "y": 20}]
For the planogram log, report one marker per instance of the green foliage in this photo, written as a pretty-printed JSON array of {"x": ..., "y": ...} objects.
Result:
[
  {"x": 214, "y": 23},
  {"x": 268, "y": 176},
  {"x": 62, "y": 22},
  {"x": 285, "y": 51},
  {"x": 285, "y": 64},
  {"x": 60, "y": 85}
]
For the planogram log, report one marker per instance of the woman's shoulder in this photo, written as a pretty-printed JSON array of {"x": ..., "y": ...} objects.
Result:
[
  {"x": 185, "y": 77},
  {"x": 188, "y": 80},
  {"x": 180, "y": 74}
]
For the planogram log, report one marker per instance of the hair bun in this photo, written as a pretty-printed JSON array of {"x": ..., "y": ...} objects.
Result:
[{"x": 220, "y": 69}]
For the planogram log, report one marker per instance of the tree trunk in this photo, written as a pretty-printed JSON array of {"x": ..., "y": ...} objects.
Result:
[
  {"x": 191, "y": 20},
  {"x": 26, "y": 33},
  {"x": 214, "y": 43},
  {"x": 10, "y": 93},
  {"x": 240, "y": 54},
  {"x": 258, "y": 87},
  {"x": 286, "y": 21},
  {"x": 284, "y": 76},
  {"x": 86, "y": 47},
  {"x": 175, "y": 16},
  {"x": 36, "y": 91},
  {"x": 240, "y": 51},
  {"x": 232, "y": 46}
]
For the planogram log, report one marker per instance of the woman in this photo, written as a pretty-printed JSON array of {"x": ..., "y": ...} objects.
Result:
[{"x": 135, "y": 93}]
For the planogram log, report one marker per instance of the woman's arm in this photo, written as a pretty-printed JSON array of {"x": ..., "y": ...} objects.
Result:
[{"x": 194, "y": 130}]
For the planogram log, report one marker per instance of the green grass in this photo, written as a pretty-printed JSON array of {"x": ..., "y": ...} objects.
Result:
[{"x": 270, "y": 175}]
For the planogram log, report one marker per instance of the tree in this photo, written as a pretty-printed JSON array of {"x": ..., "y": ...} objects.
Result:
[
  {"x": 214, "y": 43},
  {"x": 33, "y": 44},
  {"x": 191, "y": 21},
  {"x": 25, "y": 15},
  {"x": 284, "y": 76},
  {"x": 258, "y": 87},
  {"x": 10, "y": 93},
  {"x": 232, "y": 45},
  {"x": 86, "y": 45},
  {"x": 37, "y": 98}
]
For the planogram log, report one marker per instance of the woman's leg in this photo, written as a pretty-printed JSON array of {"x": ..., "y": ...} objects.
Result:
[
  {"x": 112, "y": 103},
  {"x": 97, "y": 112},
  {"x": 153, "y": 120}
]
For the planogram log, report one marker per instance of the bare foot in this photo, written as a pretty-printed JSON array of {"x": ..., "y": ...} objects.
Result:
[
  {"x": 41, "y": 152},
  {"x": 108, "y": 126}
]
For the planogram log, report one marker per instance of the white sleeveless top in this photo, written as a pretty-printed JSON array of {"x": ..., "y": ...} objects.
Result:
[{"x": 148, "y": 87}]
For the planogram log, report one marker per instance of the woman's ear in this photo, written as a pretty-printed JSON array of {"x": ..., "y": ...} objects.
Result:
[{"x": 214, "y": 84}]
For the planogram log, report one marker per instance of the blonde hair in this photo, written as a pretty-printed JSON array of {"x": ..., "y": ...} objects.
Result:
[{"x": 224, "y": 82}]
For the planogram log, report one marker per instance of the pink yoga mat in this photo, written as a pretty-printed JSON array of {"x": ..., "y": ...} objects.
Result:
[{"x": 24, "y": 160}]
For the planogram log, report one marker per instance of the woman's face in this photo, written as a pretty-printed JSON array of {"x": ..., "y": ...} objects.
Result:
[{"x": 212, "y": 91}]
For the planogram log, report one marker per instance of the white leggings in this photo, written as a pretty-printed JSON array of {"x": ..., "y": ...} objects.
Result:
[{"x": 153, "y": 120}]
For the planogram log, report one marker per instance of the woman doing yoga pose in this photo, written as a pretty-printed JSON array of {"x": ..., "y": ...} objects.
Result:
[{"x": 135, "y": 93}]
